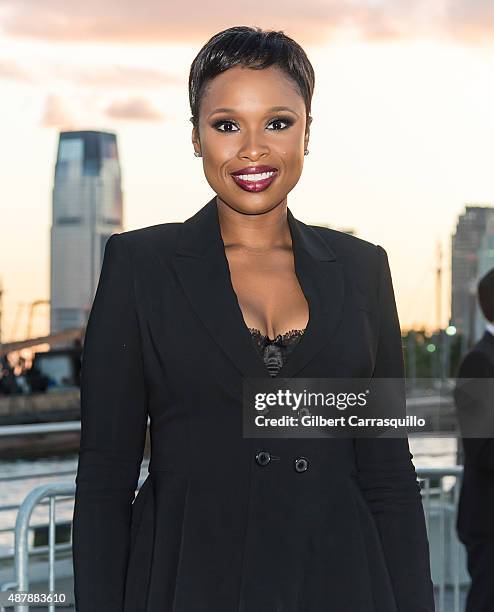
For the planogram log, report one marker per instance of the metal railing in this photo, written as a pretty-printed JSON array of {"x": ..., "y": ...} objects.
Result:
[
  {"x": 47, "y": 494},
  {"x": 31, "y": 429},
  {"x": 37, "y": 428},
  {"x": 21, "y": 546},
  {"x": 22, "y": 551},
  {"x": 447, "y": 552}
]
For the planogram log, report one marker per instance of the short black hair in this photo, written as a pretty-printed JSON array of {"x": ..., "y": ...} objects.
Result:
[
  {"x": 485, "y": 292},
  {"x": 250, "y": 47}
]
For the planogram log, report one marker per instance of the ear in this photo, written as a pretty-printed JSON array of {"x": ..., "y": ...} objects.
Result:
[
  {"x": 307, "y": 132},
  {"x": 196, "y": 143}
]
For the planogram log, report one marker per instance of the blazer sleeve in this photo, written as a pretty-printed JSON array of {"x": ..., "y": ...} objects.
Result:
[
  {"x": 473, "y": 399},
  {"x": 387, "y": 476},
  {"x": 113, "y": 433}
]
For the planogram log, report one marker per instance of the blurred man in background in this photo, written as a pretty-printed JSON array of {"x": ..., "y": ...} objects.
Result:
[{"x": 474, "y": 398}]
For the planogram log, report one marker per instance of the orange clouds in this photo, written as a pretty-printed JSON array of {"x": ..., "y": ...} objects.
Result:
[
  {"x": 138, "y": 109},
  {"x": 111, "y": 77},
  {"x": 155, "y": 21},
  {"x": 56, "y": 113}
]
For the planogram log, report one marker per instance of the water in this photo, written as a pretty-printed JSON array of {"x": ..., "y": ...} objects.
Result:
[
  {"x": 433, "y": 452},
  {"x": 13, "y": 492}
]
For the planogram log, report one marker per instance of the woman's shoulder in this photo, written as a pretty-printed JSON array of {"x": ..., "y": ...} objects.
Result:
[
  {"x": 345, "y": 244},
  {"x": 151, "y": 232},
  {"x": 363, "y": 261},
  {"x": 150, "y": 239}
]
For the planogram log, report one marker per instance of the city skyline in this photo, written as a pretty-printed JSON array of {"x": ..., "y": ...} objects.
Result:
[{"x": 400, "y": 140}]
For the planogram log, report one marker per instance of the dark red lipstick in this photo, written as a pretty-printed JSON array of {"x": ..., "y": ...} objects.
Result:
[{"x": 260, "y": 182}]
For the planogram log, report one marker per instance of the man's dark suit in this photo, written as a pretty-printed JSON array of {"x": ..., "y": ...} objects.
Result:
[{"x": 475, "y": 519}]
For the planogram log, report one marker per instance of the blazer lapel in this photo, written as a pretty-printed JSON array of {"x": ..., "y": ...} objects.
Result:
[
  {"x": 321, "y": 278},
  {"x": 202, "y": 268}
]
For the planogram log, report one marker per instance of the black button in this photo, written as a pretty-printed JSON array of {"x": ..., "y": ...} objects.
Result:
[
  {"x": 301, "y": 464},
  {"x": 263, "y": 457}
]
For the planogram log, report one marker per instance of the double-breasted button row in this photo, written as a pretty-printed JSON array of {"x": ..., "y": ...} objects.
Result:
[
  {"x": 301, "y": 464},
  {"x": 263, "y": 457}
]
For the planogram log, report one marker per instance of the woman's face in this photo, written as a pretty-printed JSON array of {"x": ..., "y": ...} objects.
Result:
[{"x": 251, "y": 134}]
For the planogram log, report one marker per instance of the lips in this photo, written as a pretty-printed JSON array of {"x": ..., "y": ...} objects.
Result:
[
  {"x": 254, "y": 170},
  {"x": 254, "y": 184}
]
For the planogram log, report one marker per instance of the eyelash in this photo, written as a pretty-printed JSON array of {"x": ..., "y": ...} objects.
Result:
[{"x": 286, "y": 120}]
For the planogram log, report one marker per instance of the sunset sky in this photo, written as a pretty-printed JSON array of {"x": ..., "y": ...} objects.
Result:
[{"x": 401, "y": 139}]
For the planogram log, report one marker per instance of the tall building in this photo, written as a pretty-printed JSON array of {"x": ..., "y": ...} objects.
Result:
[
  {"x": 485, "y": 264},
  {"x": 469, "y": 247},
  {"x": 86, "y": 211}
]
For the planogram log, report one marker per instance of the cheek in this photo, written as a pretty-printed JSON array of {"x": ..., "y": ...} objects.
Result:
[
  {"x": 216, "y": 174},
  {"x": 293, "y": 162},
  {"x": 216, "y": 160},
  {"x": 291, "y": 150}
]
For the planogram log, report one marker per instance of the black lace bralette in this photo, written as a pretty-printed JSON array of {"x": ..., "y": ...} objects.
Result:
[{"x": 274, "y": 352}]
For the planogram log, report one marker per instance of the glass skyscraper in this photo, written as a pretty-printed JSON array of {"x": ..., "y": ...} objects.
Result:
[
  {"x": 86, "y": 211},
  {"x": 469, "y": 247}
]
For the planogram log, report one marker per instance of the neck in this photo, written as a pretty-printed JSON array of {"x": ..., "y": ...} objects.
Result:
[{"x": 254, "y": 231}]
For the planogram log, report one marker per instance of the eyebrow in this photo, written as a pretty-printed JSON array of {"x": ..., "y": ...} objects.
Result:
[{"x": 273, "y": 109}]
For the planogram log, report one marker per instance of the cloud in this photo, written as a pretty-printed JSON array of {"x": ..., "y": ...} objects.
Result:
[
  {"x": 158, "y": 22},
  {"x": 99, "y": 77},
  {"x": 56, "y": 113},
  {"x": 118, "y": 76},
  {"x": 136, "y": 109},
  {"x": 14, "y": 71},
  {"x": 59, "y": 113},
  {"x": 474, "y": 19},
  {"x": 120, "y": 21}
]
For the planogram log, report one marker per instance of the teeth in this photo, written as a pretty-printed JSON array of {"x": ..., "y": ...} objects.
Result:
[{"x": 255, "y": 177}]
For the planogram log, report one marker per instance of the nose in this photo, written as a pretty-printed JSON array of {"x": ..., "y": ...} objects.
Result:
[{"x": 254, "y": 146}]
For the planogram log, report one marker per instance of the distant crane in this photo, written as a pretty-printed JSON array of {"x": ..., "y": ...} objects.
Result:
[
  {"x": 73, "y": 335},
  {"x": 18, "y": 313},
  {"x": 31, "y": 312},
  {"x": 439, "y": 286}
]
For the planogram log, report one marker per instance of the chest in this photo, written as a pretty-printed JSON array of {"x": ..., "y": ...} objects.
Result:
[{"x": 268, "y": 291}]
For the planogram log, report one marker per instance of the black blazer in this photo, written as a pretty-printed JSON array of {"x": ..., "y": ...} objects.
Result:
[
  {"x": 475, "y": 518},
  {"x": 214, "y": 528}
]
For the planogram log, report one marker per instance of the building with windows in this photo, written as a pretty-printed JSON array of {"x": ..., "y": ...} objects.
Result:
[
  {"x": 86, "y": 211},
  {"x": 471, "y": 252}
]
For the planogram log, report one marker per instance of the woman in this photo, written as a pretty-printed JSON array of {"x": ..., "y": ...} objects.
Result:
[{"x": 182, "y": 314}]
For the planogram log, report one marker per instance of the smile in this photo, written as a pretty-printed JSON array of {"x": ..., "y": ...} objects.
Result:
[{"x": 255, "y": 182}]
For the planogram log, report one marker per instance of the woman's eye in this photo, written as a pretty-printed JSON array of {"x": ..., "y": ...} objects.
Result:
[
  {"x": 287, "y": 123},
  {"x": 217, "y": 125}
]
